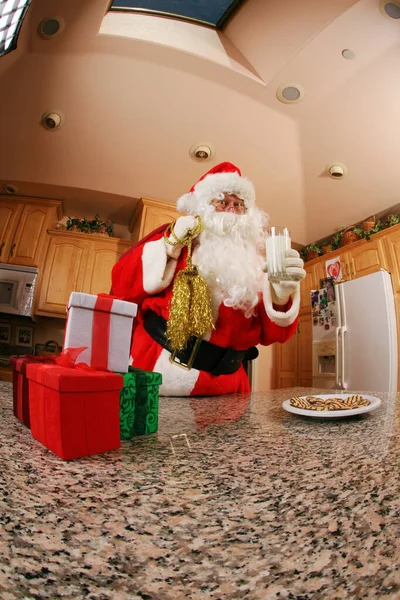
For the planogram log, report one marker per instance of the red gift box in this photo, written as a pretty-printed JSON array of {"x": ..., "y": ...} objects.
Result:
[
  {"x": 74, "y": 412},
  {"x": 20, "y": 388}
]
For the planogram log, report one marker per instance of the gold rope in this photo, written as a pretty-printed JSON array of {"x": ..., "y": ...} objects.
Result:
[{"x": 190, "y": 308}]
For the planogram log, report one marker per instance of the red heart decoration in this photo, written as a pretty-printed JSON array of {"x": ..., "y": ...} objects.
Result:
[{"x": 334, "y": 269}]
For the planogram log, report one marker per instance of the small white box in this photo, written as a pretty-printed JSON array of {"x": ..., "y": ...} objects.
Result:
[{"x": 104, "y": 325}]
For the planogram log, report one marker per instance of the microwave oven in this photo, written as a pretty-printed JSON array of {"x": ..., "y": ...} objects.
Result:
[{"x": 17, "y": 288}]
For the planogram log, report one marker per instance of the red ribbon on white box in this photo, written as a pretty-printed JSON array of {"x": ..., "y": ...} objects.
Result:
[{"x": 101, "y": 331}]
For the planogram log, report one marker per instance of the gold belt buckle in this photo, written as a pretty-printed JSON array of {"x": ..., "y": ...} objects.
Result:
[{"x": 187, "y": 366}]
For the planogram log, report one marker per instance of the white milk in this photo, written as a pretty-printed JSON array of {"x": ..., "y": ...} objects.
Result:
[{"x": 277, "y": 244}]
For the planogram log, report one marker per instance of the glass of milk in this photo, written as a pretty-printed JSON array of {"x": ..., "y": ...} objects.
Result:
[{"x": 277, "y": 245}]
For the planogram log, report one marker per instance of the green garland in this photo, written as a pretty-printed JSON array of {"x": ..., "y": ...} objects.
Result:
[{"x": 95, "y": 225}]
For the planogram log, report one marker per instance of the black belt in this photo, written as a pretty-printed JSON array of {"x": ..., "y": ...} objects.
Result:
[{"x": 199, "y": 354}]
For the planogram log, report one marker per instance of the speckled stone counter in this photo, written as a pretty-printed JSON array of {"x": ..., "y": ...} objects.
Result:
[{"x": 233, "y": 498}]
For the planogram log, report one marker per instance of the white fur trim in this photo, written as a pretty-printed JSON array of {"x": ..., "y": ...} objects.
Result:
[
  {"x": 283, "y": 319},
  {"x": 175, "y": 380},
  {"x": 173, "y": 250},
  {"x": 212, "y": 185},
  {"x": 158, "y": 269}
]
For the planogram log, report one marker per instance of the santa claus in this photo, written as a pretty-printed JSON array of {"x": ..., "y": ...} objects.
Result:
[{"x": 229, "y": 253}]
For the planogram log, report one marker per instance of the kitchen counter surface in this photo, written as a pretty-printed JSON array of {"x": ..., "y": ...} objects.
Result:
[{"x": 234, "y": 498}]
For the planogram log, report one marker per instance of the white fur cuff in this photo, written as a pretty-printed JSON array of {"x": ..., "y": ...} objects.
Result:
[
  {"x": 173, "y": 250},
  {"x": 158, "y": 268},
  {"x": 283, "y": 319}
]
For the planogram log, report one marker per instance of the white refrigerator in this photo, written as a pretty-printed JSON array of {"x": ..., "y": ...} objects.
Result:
[{"x": 354, "y": 335}]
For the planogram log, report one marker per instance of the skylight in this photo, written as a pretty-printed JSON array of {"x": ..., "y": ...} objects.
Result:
[
  {"x": 12, "y": 13},
  {"x": 214, "y": 13}
]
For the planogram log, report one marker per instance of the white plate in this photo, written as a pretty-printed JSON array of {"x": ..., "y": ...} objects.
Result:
[{"x": 332, "y": 414}]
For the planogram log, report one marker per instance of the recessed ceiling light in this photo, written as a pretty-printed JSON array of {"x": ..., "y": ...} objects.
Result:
[
  {"x": 52, "y": 120},
  {"x": 348, "y": 54},
  {"x": 337, "y": 170},
  {"x": 201, "y": 152},
  {"x": 51, "y": 27},
  {"x": 390, "y": 9},
  {"x": 10, "y": 188},
  {"x": 290, "y": 93}
]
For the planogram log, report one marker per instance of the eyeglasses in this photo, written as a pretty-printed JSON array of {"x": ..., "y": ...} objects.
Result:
[{"x": 228, "y": 203}]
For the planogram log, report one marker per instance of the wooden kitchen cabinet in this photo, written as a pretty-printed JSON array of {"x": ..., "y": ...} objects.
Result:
[
  {"x": 304, "y": 351},
  {"x": 293, "y": 359},
  {"x": 9, "y": 217},
  {"x": 392, "y": 246},
  {"x": 149, "y": 215},
  {"x": 76, "y": 262},
  {"x": 23, "y": 223},
  {"x": 358, "y": 259},
  {"x": 101, "y": 260},
  {"x": 366, "y": 257},
  {"x": 315, "y": 272},
  {"x": 63, "y": 272},
  {"x": 306, "y": 286}
]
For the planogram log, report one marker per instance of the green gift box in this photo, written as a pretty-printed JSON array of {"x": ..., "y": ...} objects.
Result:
[{"x": 139, "y": 403}]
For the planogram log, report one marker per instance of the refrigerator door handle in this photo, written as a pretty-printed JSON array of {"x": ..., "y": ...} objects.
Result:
[
  {"x": 338, "y": 359},
  {"x": 343, "y": 356}
]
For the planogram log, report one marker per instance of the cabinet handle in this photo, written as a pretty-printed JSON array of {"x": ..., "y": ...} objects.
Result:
[
  {"x": 12, "y": 250},
  {"x": 352, "y": 269},
  {"x": 1, "y": 248}
]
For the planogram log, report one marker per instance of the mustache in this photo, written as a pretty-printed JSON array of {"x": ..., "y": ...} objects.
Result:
[
  {"x": 241, "y": 228},
  {"x": 222, "y": 223}
]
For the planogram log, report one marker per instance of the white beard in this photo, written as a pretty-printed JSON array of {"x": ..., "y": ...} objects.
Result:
[{"x": 230, "y": 257}]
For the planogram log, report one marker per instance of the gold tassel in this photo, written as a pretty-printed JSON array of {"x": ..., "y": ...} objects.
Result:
[{"x": 190, "y": 309}]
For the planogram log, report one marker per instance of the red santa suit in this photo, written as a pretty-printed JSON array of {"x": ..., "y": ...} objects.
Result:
[{"x": 145, "y": 275}]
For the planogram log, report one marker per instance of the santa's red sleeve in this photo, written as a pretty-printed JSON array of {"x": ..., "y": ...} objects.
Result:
[{"x": 145, "y": 269}]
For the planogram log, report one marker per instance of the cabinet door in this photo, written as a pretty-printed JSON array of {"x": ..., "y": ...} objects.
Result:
[
  {"x": 304, "y": 351},
  {"x": 392, "y": 243},
  {"x": 397, "y": 303},
  {"x": 366, "y": 258},
  {"x": 29, "y": 236},
  {"x": 293, "y": 359},
  {"x": 286, "y": 363},
  {"x": 9, "y": 217},
  {"x": 103, "y": 257},
  {"x": 341, "y": 257},
  {"x": 154, "y": 216},
  {"x": 305, "y": 289},
  {"x": 63, "y": 273},
  {"x": 319, "y": 272}
]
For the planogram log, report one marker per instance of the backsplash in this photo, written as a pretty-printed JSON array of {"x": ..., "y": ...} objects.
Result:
[
  {"x": 20, "y": 335},
  {"x": 7, "y": 350}
]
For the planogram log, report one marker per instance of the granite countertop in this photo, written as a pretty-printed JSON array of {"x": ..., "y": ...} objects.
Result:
[{"x": 234, "y": 498}]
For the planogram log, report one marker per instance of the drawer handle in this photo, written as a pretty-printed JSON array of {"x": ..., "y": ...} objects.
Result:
[
  {"x": 12, "y": 250},
  {"x": 1, "y": 248}
]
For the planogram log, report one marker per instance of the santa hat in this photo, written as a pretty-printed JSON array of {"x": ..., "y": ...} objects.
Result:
[{"x": 223, "y": 178}]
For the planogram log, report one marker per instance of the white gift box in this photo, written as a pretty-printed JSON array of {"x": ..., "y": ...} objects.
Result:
[{"x": 104, "y": 325}]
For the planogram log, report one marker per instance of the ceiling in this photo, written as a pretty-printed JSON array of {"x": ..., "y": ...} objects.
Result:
[{"x": 137, "y": 91}]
